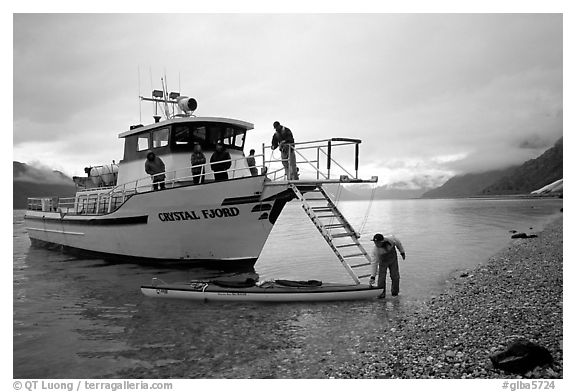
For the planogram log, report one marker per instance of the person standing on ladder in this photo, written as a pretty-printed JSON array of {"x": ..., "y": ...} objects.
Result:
[
  {"x": 384, "y": 258},
  {"x": 284, "y": 139}
]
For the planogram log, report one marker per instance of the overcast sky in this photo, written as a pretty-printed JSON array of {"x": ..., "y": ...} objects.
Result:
[{"x": 429, "y": 94}]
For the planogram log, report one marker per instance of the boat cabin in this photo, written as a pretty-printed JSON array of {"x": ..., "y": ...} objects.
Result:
[{"x": 173, "y": 141}]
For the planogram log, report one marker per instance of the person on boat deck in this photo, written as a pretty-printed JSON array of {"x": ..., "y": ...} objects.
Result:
[
  {"x": 218, "y": 167},
  {"x": 154, "y": 166},
  {"x": 384, "y": 258},
  {"x": 196, "y": 159},
  {"x": 251, "y": 161},
  {"x": 284, "y": 139}
]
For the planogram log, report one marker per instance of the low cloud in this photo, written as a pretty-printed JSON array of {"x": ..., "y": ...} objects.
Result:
[{"x": 37, "y": 172}]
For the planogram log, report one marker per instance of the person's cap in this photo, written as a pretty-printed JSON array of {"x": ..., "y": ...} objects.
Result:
[
  {"x": 378, "y": 237},
  {"x": 276, "y": 123}
]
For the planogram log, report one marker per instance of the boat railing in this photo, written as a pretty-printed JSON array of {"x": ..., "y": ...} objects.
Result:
[
  {"x": 98, "y": 201},
  {"x": 64, "y": 204},
  {"x": 319, "y": 160},
  {"x": 174, "y": 179},
  {"x": 316, "y": 160}
]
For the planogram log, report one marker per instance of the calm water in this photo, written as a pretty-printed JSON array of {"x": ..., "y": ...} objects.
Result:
[{"x": 86, "y": 318}]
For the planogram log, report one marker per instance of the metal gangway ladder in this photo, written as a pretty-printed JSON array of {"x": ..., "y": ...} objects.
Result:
[{"x": 339, "y": 234}]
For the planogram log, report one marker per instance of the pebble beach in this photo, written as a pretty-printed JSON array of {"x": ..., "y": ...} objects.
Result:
[{"x": 517, "y": 294}]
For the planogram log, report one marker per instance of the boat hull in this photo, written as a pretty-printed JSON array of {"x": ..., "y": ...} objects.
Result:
[
  {"x": 223, "y": 222},
  {"x": 212, "y": 292},
  {"x": 238, "y": 265}
]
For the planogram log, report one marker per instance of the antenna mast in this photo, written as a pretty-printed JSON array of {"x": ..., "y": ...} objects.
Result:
[
  {"x": 165, "y": 93},
  {"x": 161, "y": 97},
  {"x": 139, "y": 96}
]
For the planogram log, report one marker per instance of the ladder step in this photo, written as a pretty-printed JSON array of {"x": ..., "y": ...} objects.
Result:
[
  {"x": 315, "y": 198},
  {"x": 360, "y": 265},
  {"x": 325, "y": 209},
  {"x": 334, "y": 226},
  {"x": 343, "y": 235},
  {"x": 364, "y": 276},
  {"x": 345, "y": 246},
  {"x": 354, "y": 255},
  {"x": 326, "y": 216}
]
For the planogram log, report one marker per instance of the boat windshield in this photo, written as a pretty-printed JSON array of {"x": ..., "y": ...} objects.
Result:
[
  {"x": 180, "y": 137},
  {"x": 207, "y": 134}
]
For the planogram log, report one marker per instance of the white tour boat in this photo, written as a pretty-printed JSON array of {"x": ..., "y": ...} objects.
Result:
[{"x": 117, "y": 214}]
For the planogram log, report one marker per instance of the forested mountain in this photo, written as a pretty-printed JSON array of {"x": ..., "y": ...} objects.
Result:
[
  {"x": 29, "y": 181},
  {"x": 523, "y": 179},
  {"x": 532, "y": 175},
  {"x": 468, "y": 184}
]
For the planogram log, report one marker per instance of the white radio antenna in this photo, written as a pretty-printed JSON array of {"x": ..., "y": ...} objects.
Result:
[
  {"x": 151, "y": 82},
  {"x": 139, "y": 95},
  {"x": 165, "y": 93},
  {"x": 166, "y": 109}
]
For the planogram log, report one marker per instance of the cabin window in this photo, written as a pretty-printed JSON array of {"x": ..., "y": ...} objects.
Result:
[
  {"x": 181, "y": 135},
  {"x": 143, "y": 142},
  {"x": 214, "y": 134},
  {"x": 228, "y": 136},
  {"x": 239, "y": 139},
  {"x": 207, "y": 134},
  {"x": 199, "y": 134},
  {"x": 160, "y": 138},
  {"x": 185, "y": 135}
]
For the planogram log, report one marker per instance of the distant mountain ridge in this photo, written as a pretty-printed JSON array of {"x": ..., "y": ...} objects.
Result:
[
  {"x": 522, "y": 179},
  {"x": 24, "y": 172},
  {"x": 384, "y": 192},
  {"x": 467, "y": 185},
  {"x": 532, "y": 175},
  {"x": 397, "y": 191},
  {"x": 29, "y": 181}
]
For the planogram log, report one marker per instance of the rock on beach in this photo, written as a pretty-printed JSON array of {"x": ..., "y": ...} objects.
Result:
[{"x": 517, "y": 294}]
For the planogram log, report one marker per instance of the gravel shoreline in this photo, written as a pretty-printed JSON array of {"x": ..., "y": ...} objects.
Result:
[{"x": 518, "y": 293}]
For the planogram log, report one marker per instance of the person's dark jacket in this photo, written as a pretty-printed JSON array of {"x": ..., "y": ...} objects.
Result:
[
  {"x": 197, "y": 158},
  {"x": 154, "y": 167},
  {"x": 285, "y": 135},
  {"x": 217, "y": 157},
  {"x": 251, "y": 161}
]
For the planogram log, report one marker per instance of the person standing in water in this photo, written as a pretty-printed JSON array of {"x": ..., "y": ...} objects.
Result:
[{"x": 384, "y": 258}]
